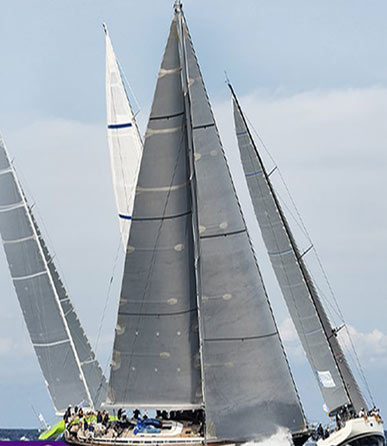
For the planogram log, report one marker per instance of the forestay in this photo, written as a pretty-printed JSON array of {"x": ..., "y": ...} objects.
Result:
[
  {"x": 38, "y": 296},
  {"x": 249, "y": 391},
  {"x": 125, "y": 145},
  {"x": 324, "y": 353},
  {"x": 156, "y": 349}
]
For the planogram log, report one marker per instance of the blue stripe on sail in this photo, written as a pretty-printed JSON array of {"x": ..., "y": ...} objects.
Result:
[
  {"x": 119, "y": 126},
  {"x": 252, "y": 174},
  {"x": 125, "y": 217},
  {"x": 244, "y": 133}
]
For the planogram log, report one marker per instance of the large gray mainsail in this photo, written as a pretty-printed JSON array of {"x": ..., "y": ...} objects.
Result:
[
  {"x": 31, "y": 271},
  {"x": 249, "y": 391},
  {"x": 336, "y": 381},
  {"x": 156, "y": 359}
]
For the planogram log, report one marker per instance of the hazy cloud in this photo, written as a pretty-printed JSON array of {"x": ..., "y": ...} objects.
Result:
[{"x": 371, "y": 346}]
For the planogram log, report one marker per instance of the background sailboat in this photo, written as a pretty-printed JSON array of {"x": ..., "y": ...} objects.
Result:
[
  {"x": 338, "y": 386},
  {"x": 71, "y": 371}
]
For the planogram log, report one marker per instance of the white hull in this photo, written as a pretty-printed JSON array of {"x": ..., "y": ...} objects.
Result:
[
  {"x": 356, "y": 432},
  {"x": 173, "y": 433}
]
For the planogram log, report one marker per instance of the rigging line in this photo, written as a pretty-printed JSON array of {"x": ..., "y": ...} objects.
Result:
[
  {"x": 125, "y": 84},
  {"x": 108, "y": 295},
  {"x": 350, "y": 353},
  {"x": 104, "y": 371},
  {"x": 316, "y": 255},
  {"x": 103, "y": 377}
]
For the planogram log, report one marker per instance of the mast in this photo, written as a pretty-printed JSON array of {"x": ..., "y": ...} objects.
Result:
[
  {"x": 195, "y": 219},
  {"x": 278, "y": 233}
]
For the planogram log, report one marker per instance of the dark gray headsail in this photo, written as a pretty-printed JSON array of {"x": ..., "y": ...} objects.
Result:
[
  {"x": 46, "y": 307},
  {"x": 249, "y": 391},
  {"x": 156, "y": 359},
  {"x": 324, "y": 353}
]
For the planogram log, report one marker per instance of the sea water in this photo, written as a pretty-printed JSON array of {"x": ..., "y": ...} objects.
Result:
[
  {"x": 33, "y": 434},
  {"x": 18, "y": 434}
]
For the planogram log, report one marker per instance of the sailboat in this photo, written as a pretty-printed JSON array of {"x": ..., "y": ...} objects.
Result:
[
  {"x": 70, "y": 369},
  {"x": 89, "y": 389},
  {"x": 195, "y": 334},
  {"x": 337, "y": 383}
]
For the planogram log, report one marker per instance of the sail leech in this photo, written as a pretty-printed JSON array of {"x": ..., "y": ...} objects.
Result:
[{"x": 38, "y": 297}]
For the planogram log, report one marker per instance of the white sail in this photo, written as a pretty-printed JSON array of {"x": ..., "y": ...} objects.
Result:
[{"x": 125, "y": 144}]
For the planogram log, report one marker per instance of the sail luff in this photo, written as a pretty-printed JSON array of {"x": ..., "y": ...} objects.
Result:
[
  {"x": 124, "y": 140},
  {"x": 249, "y": 392},
  {"x": 275, "y": 228},
  {"x": 20, "y": 238}
]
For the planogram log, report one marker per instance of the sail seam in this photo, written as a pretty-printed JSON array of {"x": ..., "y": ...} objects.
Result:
[
  {"x": 89, "y": 361},
  {"x": 253, "y": 174},
  {"x": 203, "y": 126},
  {"x": 245, "y": 338},
  {"x": 30, "y": 276},
  {"x": 280, "y": 253},
  {"x": 18, "y": 240},
  {"x": 11, "y": 207},
  {"x": 175, "y": 115},
  {"x": 161, "y": 188},
  {"x": 168, "y": 217},
  {"x": 51, "y": 344},
  {"x": 177, "y": 313},
  {"x": 6, "y": 170},
  {"x": 223, "y": 234}
]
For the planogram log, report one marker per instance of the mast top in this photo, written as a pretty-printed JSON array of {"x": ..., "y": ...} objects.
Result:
[{"x": 178, "y": 6}]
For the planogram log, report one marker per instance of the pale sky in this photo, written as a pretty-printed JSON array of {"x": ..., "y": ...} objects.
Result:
[{"x": 312, "y": 78}]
